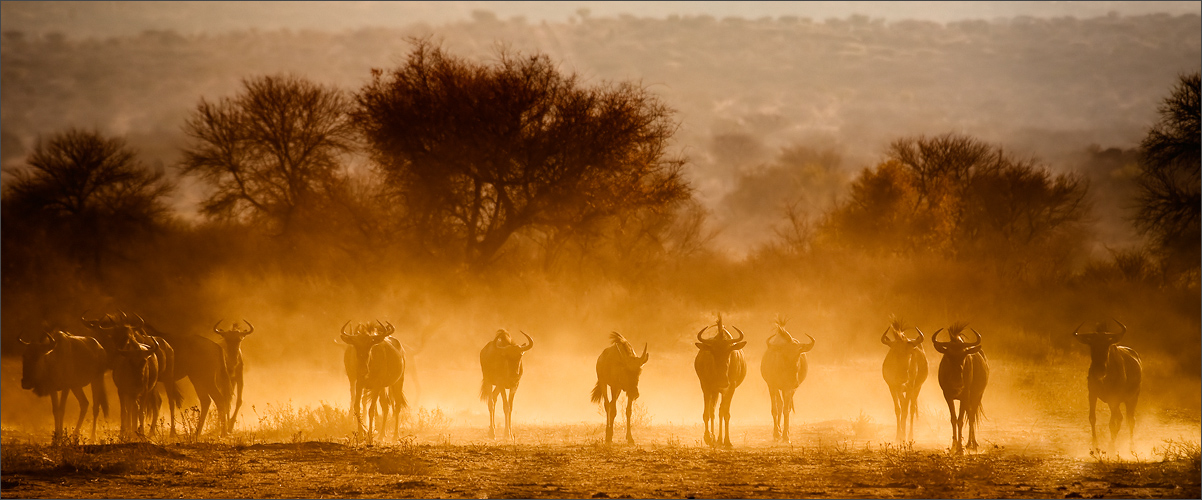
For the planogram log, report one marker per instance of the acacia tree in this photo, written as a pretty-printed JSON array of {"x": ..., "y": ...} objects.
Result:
[
  {"x": 1169, "y": 182},
  {"x": 272, "y": 153},
  {"x": 477, "y": 153},
  {"x": 956, "y": 196},
  {"x": 85, "y": 191}
]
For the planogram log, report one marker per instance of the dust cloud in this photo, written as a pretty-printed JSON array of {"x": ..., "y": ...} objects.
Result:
[{"x": 762, "y": 135}]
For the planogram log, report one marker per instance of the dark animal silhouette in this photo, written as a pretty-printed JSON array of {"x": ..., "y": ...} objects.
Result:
[
  {"x": 58, "y": 363},
  {"x": 784, "y": 369},
  {"x": 720, "y": 369},
  {"x": 963, "y": 374},
  {"x": 618, "y": 369},
  {"x": 905, "y": 370},
  {"x": 501, "y": 363},
  {"x": 1114, "y": 376}
]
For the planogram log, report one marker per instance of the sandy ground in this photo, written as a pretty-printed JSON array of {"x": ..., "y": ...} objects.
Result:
[{"x": 570, "y": 461}]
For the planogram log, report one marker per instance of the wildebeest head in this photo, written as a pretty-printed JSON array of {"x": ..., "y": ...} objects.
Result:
[
  {"x": 784, "y": 342},
  {"x": 135, "y": 355},
  {"x": 505, "y": 346},
  {"x": 364, "y": 338},
  {"x": 631, "y": 364},
  {"x": 719, "y": 347},
  {"x": 233, "y": 337},
  {"x": 33, "y": 366},
  {"x": 1099, "y": 342},
  {"x": 900, "y": 342},
  {"x": 114, "y": 332}
]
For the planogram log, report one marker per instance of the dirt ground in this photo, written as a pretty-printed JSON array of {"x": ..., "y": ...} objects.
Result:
[{"x": 572, "y": 462}]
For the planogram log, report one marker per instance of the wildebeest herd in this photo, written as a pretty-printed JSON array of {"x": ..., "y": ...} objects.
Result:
[{"x": 144, "y": 360}]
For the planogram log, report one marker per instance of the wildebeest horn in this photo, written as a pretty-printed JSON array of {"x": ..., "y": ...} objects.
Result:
[
  {"x": 808, "y": 347},
  {"x": 885, "y": 335},
  {"x": 343, "y": 330},
  {"x": 215, "y": 330},
  {"x": 391, "y": 329},
  {"x": 741, "y": 335},
  {"x": 978, "y": 334},
  {"x": 83, "y": 318},
  {"x": 920, "y": 336},
  {"x": 529, "y": 342},
  {"x": 141, "y": 322},
  {"x": 1124, "y": 332},
  {"x": 699, "y": 339},
  {"x": 1078, "y": 329},
  {"x": 644, "y": 356},
  {"x": 935, "y": 338},
  {"x": 252, "y": 327}
]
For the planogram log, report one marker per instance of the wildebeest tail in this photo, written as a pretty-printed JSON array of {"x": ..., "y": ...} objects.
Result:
[
  {"x": 401, "y": 402},
  {"x": 976, "y": 416},
  {"x": 485, "y": 390},
  {"x": 598, "y": 394}
]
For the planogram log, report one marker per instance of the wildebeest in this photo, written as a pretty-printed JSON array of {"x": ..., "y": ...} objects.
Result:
[
  {"x": 135, "y": 373},
  {"x": 233, "y": 361},
  {"x": 720, "y": 369},
  {"x": 904, "y": 370},
  {"x": 116, "y": 334},
  {"x": 375, "y": 368},
  {"x": 199, "y": 359},
  {"x": 618, "y": 368},
  {"x": 784, "y": 369},
  {"x": 501, "y": 364},
  {"x": 963, "y": 373},
  {"x": 57, "y": 363},
  {"x": 1114, "y": 376}
]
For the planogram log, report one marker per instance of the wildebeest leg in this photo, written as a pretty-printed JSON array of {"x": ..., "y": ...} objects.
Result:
[
  {"x": 774, "y": 395},
  {"x": 205, "y": 399},
  {"x": 97, "y": 394},
  {"x": 372, "y": 397},
  {"x": 724, "y": 415},
  {"x": 1093, "y": 421},
  {"x": 1131, "y": 420},
  {"x": 899, "y": 404},
  {"x": 611, "y": 412},
  {"x": 58, "y": 406},
  {"x": 911, "y": 411},
  {"x": 153, "y": 403},
  {"x": 707, "y": 415},
  {"x": 961, "y": 420},
  {"x": 786, "y": 408},
  {"x": 238, "y": 403},
  {"x": 492, "y": 412},
  {"x": 973, "y": 407},
  {"x": 83, "y": 409},
  {"x": 629, "y": 408},
  {"x": 1116, "y": 422},
  {"x": 508, "y": 400},
  {"x": 175, "y": 400},
  {"x": 385, "y": 406},
  {"x": 951, "y": 408},
  {"x": 223, "y": 409}
]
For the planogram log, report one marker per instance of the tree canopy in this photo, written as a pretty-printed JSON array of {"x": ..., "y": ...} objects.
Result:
[
  {"x": 1170, "y": 178},
  {"x": 272, "y": 154},
  {"x": 956, "y": 196},
  {"x": 476, "y": 152},
  {"x": 87, "y": 192}
]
